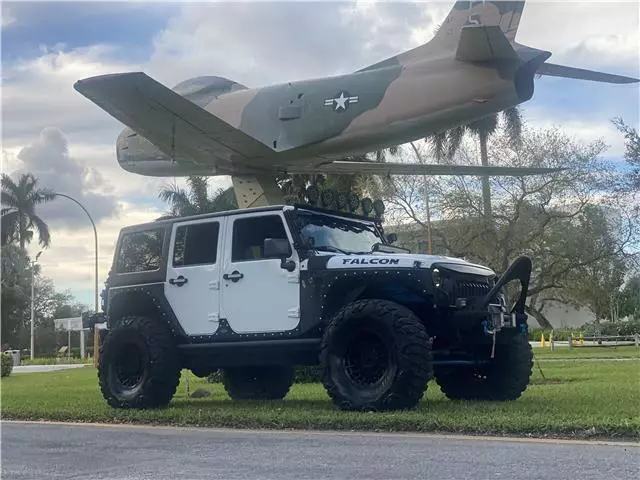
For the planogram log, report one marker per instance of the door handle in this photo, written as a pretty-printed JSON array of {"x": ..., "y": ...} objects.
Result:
[
  {"x": 178, "y": 281},
  {"x": 233, "y": 276}
]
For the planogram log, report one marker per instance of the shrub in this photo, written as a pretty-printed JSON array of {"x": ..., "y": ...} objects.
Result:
[
  {"x": 307, "y": 374},
  {"x": 302, "y": 374},
  {"x": 6, "y": 365}
]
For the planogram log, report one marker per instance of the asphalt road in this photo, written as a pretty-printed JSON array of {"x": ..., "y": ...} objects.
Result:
[{"x": 44, "y": 451}]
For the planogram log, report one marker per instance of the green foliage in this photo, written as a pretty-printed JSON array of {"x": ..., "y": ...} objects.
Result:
[
  {"x": 292, "y": 186},
  {"x": 302, "y": 374},
  {"x": 15, "y": 292},
  {"x": 590, "y": 329},
  {"x": 19, "y": 218},
  {"x": 6, "y": 364},
  {"x": 629, "y": 299},
  {"x": 308, "y": 374},
  {"x": 195, "y": 199},
  {"x": 630, "y": 327},
  {"x": 632, "y": 153}
]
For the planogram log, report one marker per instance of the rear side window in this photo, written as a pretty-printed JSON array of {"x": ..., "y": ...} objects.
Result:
[
  {"x": 196, "y": 244},
  {"x": 140, "y": 251}
]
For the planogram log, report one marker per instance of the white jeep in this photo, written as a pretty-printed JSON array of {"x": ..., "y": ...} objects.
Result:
[{"x": 255, "y": 292}]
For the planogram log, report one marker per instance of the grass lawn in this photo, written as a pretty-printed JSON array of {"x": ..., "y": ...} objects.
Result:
[{"x": 574, "y": 400}]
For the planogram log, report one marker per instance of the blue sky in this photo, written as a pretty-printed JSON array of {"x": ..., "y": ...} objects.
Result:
[
  {"x": 70, "y": 143},
  {"x": 78, "y": 24}
]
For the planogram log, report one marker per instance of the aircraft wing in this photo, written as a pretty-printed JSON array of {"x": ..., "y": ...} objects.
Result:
[
  {"x": 389, "y": 168},
  {"x": 554, "y": 70},
  {"x": 177, "y": 126}
]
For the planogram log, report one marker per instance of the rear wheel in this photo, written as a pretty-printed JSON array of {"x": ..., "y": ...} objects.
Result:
[
  {"x": 375, "y": 355},
  {"x": 258, "y": 383},
  {"x": 505, "y": 377},
  {"x": 139, "y": 365}
]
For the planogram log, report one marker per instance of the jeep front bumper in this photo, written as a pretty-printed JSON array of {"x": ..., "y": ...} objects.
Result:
[{"x": 473, "y": 299}]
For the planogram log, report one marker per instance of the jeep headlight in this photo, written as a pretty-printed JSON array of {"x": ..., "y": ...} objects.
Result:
[{"x": 436, "y": 277}]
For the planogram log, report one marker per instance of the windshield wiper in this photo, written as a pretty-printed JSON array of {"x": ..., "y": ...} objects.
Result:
[{"x": 329, "y": 248}]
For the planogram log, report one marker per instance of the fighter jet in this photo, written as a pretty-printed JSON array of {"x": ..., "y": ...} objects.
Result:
[{"x": 209, "y": 125}]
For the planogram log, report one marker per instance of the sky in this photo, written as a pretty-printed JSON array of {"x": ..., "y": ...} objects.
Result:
[{"x": 68, "y": 143}]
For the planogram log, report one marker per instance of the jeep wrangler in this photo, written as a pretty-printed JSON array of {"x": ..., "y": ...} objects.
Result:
[{"x": 253, "y": 293}]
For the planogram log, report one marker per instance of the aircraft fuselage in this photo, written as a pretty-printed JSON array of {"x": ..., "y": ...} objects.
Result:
[{"x": 309, "y": 122}]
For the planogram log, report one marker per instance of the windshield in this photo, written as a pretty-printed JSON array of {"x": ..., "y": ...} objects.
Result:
[{"x": 324, "y": 232}]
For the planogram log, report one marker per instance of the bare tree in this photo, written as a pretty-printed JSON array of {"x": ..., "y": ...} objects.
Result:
[{"x": 573, "y": 223}]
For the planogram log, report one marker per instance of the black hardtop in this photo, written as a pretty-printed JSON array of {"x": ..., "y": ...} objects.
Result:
[{"x": 168, "y": 221}]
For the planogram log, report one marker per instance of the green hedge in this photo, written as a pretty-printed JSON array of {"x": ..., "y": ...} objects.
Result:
[
  {"x": 630, "y": 327},
  {"x": 302, "y": 374},
  {"x": 6, "y": 365}
]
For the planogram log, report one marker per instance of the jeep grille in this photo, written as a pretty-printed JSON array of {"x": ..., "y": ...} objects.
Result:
[{"x": 467, "y": 289}]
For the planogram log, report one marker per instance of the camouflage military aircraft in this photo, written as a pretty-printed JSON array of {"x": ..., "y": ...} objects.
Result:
[{"x": 209, "y": 125}]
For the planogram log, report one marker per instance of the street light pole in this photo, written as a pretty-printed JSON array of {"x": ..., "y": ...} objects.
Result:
[
  {"x": 33, "y": 298},
  {"x": 96, "y": 337}
]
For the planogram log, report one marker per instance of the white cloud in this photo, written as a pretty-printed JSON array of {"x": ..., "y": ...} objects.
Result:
[
  {"x": 49, "y": 160},
  {"x": 581, "y": 130},
  {"x": 594, "y": 34},
  {"x": 38, "y": 93},
  {"x": 262, "y": 43},
  {"x": 7, "y": 17}
]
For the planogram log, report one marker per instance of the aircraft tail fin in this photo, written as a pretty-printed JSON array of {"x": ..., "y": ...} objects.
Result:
[
  {"x": 497, "y": 13},
  {"x": 498, "y": 18}
]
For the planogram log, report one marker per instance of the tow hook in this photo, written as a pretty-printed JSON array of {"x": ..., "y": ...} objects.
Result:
[{"x": 492, "y": 332}]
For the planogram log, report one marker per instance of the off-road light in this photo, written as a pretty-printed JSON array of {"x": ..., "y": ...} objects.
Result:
[
  {"x": 354, "y": 201},
  {"x": 341, "y": 200},
  {"x": 367, "y": 205},
  {"x": 437, "y": 278},
  {"x": 312, "y": 194},
  {"x": 378, "y": 207},
  {"x": 328, "y": 197}
]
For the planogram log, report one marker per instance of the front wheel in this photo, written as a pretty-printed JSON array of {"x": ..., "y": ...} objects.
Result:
[
  {"x": 505, "y": 377},
  {"x": 375, "y": 355},
  {"x": 139, "y": 365}
]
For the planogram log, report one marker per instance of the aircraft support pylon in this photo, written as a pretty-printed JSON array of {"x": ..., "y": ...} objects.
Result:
[{"x": 256, "y": 191}]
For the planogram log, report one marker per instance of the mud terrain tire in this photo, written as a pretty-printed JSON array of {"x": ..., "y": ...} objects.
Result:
[
  {"x": 139, "y": 364},
  {"x": 504, "y": 378},
  {"x": 375, "y": 356}
]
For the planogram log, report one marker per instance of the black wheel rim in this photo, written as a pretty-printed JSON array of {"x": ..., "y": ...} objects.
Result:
[
  {"x": 129, "y": 367},
  {"x": 367, "y": 360}
]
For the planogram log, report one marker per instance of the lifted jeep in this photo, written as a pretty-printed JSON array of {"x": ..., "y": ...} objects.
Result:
[{"x": 255, "y": 292}]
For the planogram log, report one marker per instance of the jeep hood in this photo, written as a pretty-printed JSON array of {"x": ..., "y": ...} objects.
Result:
[{"x": 403, "y": 260}]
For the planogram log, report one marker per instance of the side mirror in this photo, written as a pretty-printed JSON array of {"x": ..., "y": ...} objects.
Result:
[
  {"x": 279, "y": 248},
  {"x": 392, "y": 237}
]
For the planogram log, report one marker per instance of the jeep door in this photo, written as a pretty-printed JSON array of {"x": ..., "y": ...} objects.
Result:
[
  {"x": 258, "y": 295},
  {"x": 192, "y": 286}
]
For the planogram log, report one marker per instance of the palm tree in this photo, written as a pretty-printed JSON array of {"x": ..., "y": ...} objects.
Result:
[
  {"x": 19, "y": 218},
  {"x": 195, "y": 199},
  {"x": 357, "y": 183},
  {"x": 445, "y": 144}
]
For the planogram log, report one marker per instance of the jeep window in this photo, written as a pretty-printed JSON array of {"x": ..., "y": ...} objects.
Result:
[
  {"x": 140, "y": 251},
  {"x": 331, "y": 233},
  {"x": 196, "y": 244},
  {"x": 249, "y": 234}
]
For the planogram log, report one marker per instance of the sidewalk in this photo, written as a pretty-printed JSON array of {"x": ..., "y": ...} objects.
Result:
[{"x": 46, "y": 368}]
